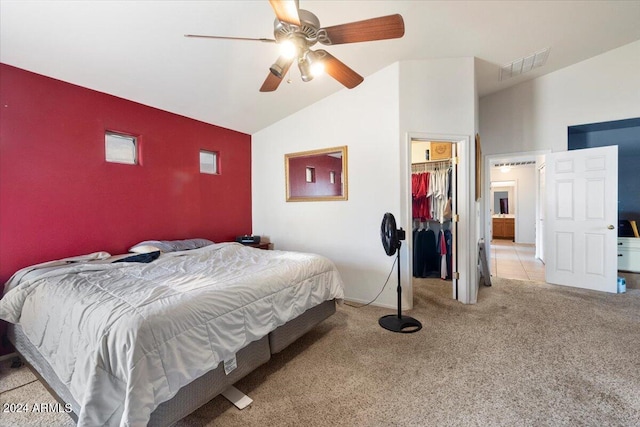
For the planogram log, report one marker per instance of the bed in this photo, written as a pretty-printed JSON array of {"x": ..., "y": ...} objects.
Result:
[{"x": 146, "y": 343}]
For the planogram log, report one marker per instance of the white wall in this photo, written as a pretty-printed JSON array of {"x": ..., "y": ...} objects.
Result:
[
  {"x": 366, "y": 119},
  {"x": 534, "y": 115},
  {"x": 436, "y": 96}
]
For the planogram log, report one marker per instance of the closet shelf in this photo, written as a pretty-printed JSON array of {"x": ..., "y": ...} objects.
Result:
[
  {"x": 431, "y": 162},
  {"x": 430, "y": 165}
]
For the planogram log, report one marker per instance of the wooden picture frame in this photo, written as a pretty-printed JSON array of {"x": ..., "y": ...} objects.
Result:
[{"x": 327, "y": 180}]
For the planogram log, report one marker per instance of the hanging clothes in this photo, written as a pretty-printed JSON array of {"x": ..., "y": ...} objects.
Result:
[
  {"x": 431, "y": 201},
  {"x": 421, "y": 205},
  {"x": 425, "y": 253},
  {"x": 438, "y": 192},
  {"x": 431, "y": 253},
  {"x": 419, "y": 257},
  {"x": 442, "y": 249},
  {"x": 448, "y": 237}
]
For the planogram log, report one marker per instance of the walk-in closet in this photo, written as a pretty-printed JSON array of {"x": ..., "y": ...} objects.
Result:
[{"x": 433, "y": 205}]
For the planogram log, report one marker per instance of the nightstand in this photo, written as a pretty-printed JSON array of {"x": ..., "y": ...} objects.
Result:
[
  {"x": 629, "y": 254},
  {"x": 262, "y": 245}
]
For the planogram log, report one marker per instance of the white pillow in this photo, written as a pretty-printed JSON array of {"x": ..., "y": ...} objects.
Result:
[{"x": 143, "y": 249}]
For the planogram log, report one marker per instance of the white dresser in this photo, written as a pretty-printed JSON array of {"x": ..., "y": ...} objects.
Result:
[{"x": 629, "y": 254}]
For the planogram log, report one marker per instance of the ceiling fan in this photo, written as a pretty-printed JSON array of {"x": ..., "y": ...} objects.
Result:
[{"x": 297, "y": 30}]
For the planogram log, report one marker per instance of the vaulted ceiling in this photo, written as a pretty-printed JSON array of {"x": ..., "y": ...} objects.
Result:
[{"x": 137, "y": 49}]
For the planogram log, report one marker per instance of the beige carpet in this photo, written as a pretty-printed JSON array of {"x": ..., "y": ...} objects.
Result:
[{"x": 527, "y": 354}]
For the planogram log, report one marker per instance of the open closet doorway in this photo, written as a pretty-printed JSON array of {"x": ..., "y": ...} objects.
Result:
[
  {"x": 512, "y": 212},
  {"x": 433, "y": 184}
]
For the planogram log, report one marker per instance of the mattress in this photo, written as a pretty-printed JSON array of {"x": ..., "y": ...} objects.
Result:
[{"x": 174, "y": 320}]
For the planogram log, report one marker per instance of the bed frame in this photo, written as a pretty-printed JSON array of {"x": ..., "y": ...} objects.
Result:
[{"x": 201, "y": 390}]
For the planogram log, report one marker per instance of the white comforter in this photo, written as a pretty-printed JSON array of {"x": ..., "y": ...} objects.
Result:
[{"x": 125, "y": 337}]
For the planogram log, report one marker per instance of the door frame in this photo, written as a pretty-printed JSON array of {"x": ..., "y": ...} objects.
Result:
[
  {"x": 540, "y": 195},
  {"x": 487, "y": 203},
  {"x": 465, "y": 254}
]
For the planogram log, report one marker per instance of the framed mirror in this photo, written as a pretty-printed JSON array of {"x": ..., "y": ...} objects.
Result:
[{"x": 316, "y": 175}]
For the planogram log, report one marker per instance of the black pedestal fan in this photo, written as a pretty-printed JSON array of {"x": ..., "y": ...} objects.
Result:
[{"x": 391, "y": 241}]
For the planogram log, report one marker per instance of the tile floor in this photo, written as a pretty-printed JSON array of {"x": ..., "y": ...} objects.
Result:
[{"x": 515, "y": 261}]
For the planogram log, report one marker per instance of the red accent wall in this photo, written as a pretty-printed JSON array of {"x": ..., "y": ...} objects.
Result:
[
  {"x": 59, "y": 197},
  {"x": 322, "y": 186}
]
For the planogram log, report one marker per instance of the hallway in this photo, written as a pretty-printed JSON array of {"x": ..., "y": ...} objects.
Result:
[{"x": 515, "y": 261}]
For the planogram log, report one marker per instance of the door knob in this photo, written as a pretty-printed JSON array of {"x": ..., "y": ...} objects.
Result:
[{"x": 610, "y": 227}]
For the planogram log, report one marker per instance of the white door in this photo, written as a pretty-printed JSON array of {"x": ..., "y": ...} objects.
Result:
[{"x": 581, "y": 218}]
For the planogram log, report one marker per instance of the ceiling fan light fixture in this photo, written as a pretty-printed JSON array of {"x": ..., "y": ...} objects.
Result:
[
  {"x": 311, "y": 65},
  {"x": 279, "y": 67},
  {"x": 317, "y": 68},
  {"x": 316, "y": 64},
  {"x": 305, "y": 70},
  {"x": 288, "y": 49}
]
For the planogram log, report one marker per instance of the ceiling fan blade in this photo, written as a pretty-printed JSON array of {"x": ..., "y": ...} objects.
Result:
[
  {"x": 382, "y": 28},
  {"x": 272, "y": 81},
  {"x": 286, "y": 10},
  {"x": 339, "y": 71},
  {"x": 230, "y": 38}
]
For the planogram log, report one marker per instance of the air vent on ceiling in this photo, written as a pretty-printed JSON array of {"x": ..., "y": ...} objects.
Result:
[{"x": 523, "y": 65}]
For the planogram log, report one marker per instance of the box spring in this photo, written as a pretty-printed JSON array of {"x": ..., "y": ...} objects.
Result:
[
  {"x": 294, "y": 329},
  {"x": 201, "y": 390}
]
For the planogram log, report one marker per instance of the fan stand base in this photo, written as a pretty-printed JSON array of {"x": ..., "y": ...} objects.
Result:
[{"x": 403, "y": 324}]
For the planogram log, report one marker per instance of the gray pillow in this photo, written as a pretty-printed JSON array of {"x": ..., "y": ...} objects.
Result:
[{"x": 169, "y": 245}]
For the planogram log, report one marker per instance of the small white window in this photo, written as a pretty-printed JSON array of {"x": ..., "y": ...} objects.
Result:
[
  {"x": 310, "y": 174},
  {"x": 209, "y": 162},
  {"x": 121, "y": 148}
]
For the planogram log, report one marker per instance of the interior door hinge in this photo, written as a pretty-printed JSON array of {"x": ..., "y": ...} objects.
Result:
[
  {"x": 456, "y": 275},
  {"x": 455, "y": 160},
  {"x": 456, "y": 218}
]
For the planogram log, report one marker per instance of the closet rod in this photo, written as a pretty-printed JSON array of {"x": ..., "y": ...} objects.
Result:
[
  {"x": 432, "y": 162},
  {"x": 430, "y": 166}
]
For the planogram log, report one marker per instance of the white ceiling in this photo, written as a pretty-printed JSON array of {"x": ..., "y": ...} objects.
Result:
[{"x": 136, "y": 49}]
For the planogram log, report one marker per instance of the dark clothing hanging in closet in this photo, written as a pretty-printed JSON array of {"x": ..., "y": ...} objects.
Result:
[
  {"x": 448, "y": 237},
  {"x": 425, "y": 255},
  {"x": 418, "y": 254}
]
